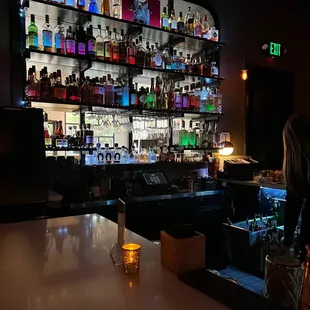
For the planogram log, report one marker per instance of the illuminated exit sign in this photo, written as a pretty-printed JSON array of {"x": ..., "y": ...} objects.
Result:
[{"x": 275, "y": 49}]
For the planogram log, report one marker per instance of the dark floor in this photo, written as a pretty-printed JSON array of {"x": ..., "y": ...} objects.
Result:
[{"x": 244, "y": 279}]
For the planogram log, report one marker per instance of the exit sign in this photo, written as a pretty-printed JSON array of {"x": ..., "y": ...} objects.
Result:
[{"x": 273, "y": 49}]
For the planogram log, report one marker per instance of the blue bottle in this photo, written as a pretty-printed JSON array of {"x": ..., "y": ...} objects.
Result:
[{"x": 93, "y": 6}]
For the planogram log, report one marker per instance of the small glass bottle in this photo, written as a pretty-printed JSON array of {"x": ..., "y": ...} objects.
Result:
[
  {"x": 98, "y": 92},
  {"x": 173, "y": 24},
  {"x": 164, "y": 21},
  {"x": 114, "y": 47},
  {"x": 100, "y": 44},
  {"x": 180, "y": 23},
  {"x": 91, "y": 42},
  {"x": 33, "y": 33},
  {"x": 47, "y": 34},
  {"x": 70, "y": 42},
  {"x": 59, "y": 37},
  {"x": 140, "y": 54},
  {"x": 107, "y": 45},
  {"x": 152, "y": 158},
  {"x": 214, "y": 34}
]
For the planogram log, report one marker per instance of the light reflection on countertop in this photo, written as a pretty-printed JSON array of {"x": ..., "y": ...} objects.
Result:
[{"x": 65, "y": 264}]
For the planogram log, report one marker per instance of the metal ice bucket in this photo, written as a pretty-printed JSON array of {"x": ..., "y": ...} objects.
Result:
[{"x": 283, "y": 281}]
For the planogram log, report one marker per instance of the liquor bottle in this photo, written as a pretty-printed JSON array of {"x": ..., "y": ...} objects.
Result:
[
  {"x": 189, "y": 22},
  {"x": 210, "y": 101},
  {"x": 198, "y": 26},
  {"x": 81, "y": 41},
  {"x": 93, "y": 6},
  {"x": 33, "y": 33},
  {"x": 133, "y": 156},
  {"x": 181, "y": 63},
  {"x": 123, "y": 50},
  {"x": 125, "y": 94},
  {"x": 158, "y": 58},
  {"x": 140, "y": 54},
  {"x": 105, "y": 7},
  {"x": 47, "y": 34},
  {"x": 32, "y": 87},
  {"x": 180, "y": 24},
  {"x": 206, "y": 28},
  {"x": 117, "y": 154},
  {"x": 178, "y": 100},
  {"x": 203, "y": 99},
  {"x": 107, "y": 154},
  {"x": 70, "y": 3},
  {"x": 165, "y": 95},
  {"x": 183, "y": 136},
  {"x": 166, "y": 60},
  {"x": 171, "y": 103},
  {"x": 98, "y": 92},
  {"x": 158, "y": 94},
  {"x": 188, "y": 64},
  {"x": 196, "y": 66},
  {"x": 218, "y": 101},
  {"x": 59, "y": 37},
  {"x": 214, "y": 34},
  {"x": 131, "y": 53},
  {"x": 134, "y": 95},
  {"x": 197, "y": 92},
  {"x": 107, "y": 46},
  {"x": 191, "y": 135},
  {"x": 124, "y": 155},
  {"x": 109, "y": 91},
  {"x": 143, "y": 156},
  {"x": 59, "y": 90},
  {"x": 100, "y": 44},
  {"x": 153, "y": 56},
  {"x": 116, "y": 8},
  {"x": 164, "y": 21},
  {"x": 174, "y": 62},
  {"x": 173, "y": 24},
  {"x": 205, "y": 68},
  {"x": 47, "y": 136},
  {"x": 91, "y": 42},
  {"x": 186, "y": 99},
  {"x": 74, "y": 94},
  {"x": 81, "y": 4},
  {"x": 114, "y": 47},
  {"x": 45, "y": 85},
  {"x": 70, "y": 42},
  {"x": 151, "y": 156},
  {"x": 192, "y": 98},
  {"x": 148, "y": 56},
  {"x": 118, "y": 93},
  {"x": 150, "y": 99}
]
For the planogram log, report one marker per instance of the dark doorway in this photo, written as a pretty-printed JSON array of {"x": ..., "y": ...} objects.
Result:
[{"x": 270, "y": 99}]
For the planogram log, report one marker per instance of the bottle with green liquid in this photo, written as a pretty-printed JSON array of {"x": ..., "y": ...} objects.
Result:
[
  {"x": 183, "y": 136},
  {"x": 191, "y": 135}
]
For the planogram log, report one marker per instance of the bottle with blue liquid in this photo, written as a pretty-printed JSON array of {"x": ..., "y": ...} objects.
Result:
[
  {"x": 47, "y": 34},
  {"x": 81, "y": 4},
  {"x": 70, "y": 3},
  {"x": 93, "y": 6}
]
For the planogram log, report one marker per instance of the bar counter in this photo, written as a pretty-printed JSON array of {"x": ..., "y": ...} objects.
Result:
[{"x": 65, "y": 264}]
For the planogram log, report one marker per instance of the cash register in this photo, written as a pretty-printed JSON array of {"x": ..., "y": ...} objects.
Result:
[{"x": 148, "y": 183}]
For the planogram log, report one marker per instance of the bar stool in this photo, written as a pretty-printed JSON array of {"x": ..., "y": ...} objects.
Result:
[{"x": 283, "y": 280}]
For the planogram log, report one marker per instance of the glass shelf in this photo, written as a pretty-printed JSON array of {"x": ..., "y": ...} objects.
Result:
[
  {"x": 116, "y": 109},
  {"x": 108, "y": 67},
  {"x": 149, "y": 33}
]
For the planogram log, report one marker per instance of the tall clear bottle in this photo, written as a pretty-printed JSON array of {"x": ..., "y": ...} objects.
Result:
[
  {"x": 123, "y": 49},
  {"x": 33, "y": 33},
  {"x": 107, "y": 45},
  {"x": 100, "y": 44},
  {"x": 173, "y": 23},
  {"x": 114, "y": 47},
  {"x": 198, "y": 28},
  {"x": 189, "y": 22},
  {"x": 116, "y": 8},
  {"x": 47, "y": 34},
  {"x": 59, "y": 37},
  {"x": 158, "y": 58},
  {"x": 206, "y": 28},
  {"x": 191, "y": 135}
]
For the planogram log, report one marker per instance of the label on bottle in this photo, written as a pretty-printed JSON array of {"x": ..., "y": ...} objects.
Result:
[
  {"x": 185, "y": 102},
  {"x": 206, "y": 35},
  {"x": 134, "y": 99},
  {"x": 198, "y": 32},
  {"x": 33, "y": 40},
  {"x": 182, "y": 66},
  {"x": 59, "y": 93},
  {"x": 91, "y": 45},
  {"x": 99, "y": 90},
  {"x": 45, "y": 89},
  {"x": 32, "y": 93},
  {"x": 70, "y": 3},
  {"x": 180, "y": 26},
  {"x": 60, "y": 41},
  {"x": 82, "y": 3},
  {"x": 81, "y": 48},
  {"x": 115, "y": 52},
  {"x": 140, "y": 58},
  {"x": 174, "y": 65},
  {"x": 214, "y": 35},
  {"x": 100, "y": 50},
  {"x": 174, "y": 25},
  {"x": 165, "y": 22},
  {"x": 107, "y": 52},
  {"x": 178, "y": 101},
  {"x": 70, "y": 46},
  {"x": 47, "y": 38},
  {"x": 158, "y": 60}
]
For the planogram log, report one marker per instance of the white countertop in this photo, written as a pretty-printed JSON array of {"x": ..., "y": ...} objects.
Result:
[{"x": 65, "y": 264}]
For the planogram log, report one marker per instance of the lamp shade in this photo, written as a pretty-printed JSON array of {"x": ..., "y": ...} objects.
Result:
[{"x": 226, "y": 148}]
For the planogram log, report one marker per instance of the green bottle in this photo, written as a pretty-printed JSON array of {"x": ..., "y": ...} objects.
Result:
[
  {"x": 33, "y": 33},
  {"x": 191, "y": 136},
  {"x": 164, "y": 22},
  {"x": 183, "y": 136},
  {"x": 150, "y": 100}
]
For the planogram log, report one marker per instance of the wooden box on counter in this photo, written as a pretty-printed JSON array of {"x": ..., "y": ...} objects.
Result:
[{"x": 182, "y": 252}]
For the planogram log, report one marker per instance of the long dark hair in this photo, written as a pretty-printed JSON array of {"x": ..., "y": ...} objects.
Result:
[{"x": 296, "y": 142}]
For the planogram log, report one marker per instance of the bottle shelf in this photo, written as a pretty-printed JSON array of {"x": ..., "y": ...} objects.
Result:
[
  {"x": 149, "y": 33},
  {"x": 116, "y": 109},
  {"x": 121, "y": 69}
]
